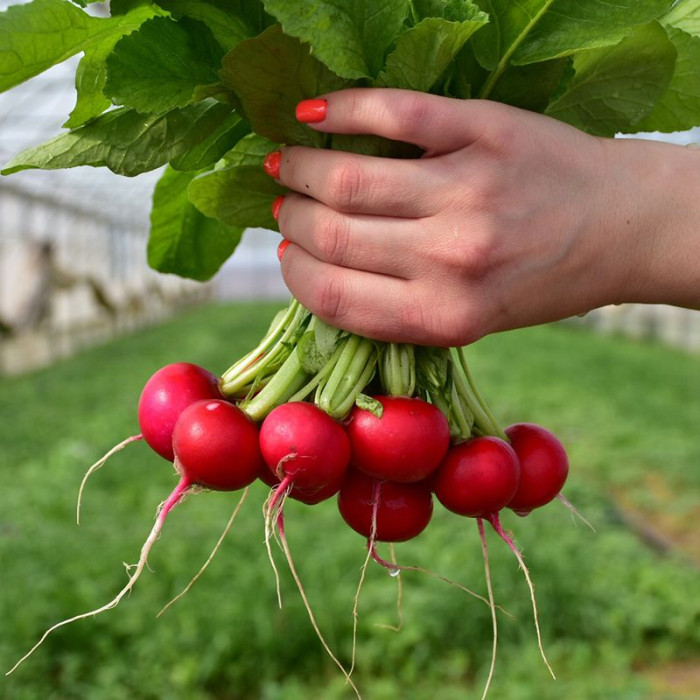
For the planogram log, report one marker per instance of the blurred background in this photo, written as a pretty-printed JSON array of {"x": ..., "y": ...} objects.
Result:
[{"x": 84, "y": 322}]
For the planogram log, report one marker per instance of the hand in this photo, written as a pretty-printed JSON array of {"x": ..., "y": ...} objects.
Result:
[{"x": 510, "y": 218}]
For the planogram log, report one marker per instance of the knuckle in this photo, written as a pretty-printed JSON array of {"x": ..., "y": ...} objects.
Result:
[
  {"x": 345, "y": 184},
  {"x": 330, "y": 297},
  {"x": 415, "y": 109},
  {"x": 332, "y": 239}
]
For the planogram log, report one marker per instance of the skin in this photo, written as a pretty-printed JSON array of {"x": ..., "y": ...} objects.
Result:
[{"x": 509, "y": 219}]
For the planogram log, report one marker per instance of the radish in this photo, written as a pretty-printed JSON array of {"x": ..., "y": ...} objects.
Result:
[
  {"x": 405, "y": 445},
  {"x": 215, "y": 446},
  {"x": 305, "y": 448},
  {"x": 478, "y": 477},
  {"x": 544, "y": 466},
  {"x": 308, "y": 496},
  {"x": 164, "y": 396},
  {"x": 402, "y": 511}
]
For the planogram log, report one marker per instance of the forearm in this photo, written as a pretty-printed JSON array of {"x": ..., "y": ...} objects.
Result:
[{"x": 656, "y": 209}]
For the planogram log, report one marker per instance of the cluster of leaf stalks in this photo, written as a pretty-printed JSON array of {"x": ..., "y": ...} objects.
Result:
[{"x": 302, "y": 358}]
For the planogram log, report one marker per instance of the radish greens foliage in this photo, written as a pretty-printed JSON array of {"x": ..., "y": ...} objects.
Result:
[{"x": 208, "y": 87}]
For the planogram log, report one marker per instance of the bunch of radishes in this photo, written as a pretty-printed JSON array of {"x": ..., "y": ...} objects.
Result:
[
  {"x": 384, "y": 459},
  {"x": 389, "y": 461}
]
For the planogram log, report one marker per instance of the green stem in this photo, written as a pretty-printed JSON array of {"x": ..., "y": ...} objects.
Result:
[
  {"x": 343, "y": 384},
  {"x": 269, "y": 354},
  {"x": 288, "y": 379},
  {"x": 318, "y": 377},
  {"x": 483, "y": 417},
  {"x": 397, "y": 369},
  {"x": 327, "y": 392},
  {"x": 364, "y": 379}
]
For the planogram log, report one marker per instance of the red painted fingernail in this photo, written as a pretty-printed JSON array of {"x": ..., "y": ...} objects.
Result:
[
  {"x": 311, "y": 111},
  {"x": 271, "y": 164},
  {"x": 281, "y": 248},
  {"x": 276, "y": 206}
]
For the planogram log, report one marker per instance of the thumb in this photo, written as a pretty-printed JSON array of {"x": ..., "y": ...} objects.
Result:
[{"x": 436, "y": 124}]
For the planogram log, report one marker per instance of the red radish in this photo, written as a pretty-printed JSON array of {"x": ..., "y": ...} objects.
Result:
[
  {"x": 302, "y": 445},
  {"x": 544, "y": 466},
  {"x": 165, "y": 395},
  {"x": 216, "y": 446},
  {"x": 403, "y": 510},
  {"x": 309, "y": 496},
  {"x": 406, "y": 444},
  {"x": 478, "y": 477}
]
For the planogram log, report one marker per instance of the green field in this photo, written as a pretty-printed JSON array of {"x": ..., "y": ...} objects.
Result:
[{"x": 620, "y": 618}]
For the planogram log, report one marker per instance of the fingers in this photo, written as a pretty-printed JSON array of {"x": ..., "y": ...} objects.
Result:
[
  {"x": 369, "y": 243},
  {"x": 436, "y": 124},
  {"x": 372, "y": 305},
  {"x": 350, "y": 183}
]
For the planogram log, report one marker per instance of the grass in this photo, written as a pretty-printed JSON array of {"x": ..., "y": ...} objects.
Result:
[{"x": 611, "y": 608}]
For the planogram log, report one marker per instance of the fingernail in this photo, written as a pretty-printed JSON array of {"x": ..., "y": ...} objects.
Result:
[
  {"x": 311, "y": 111},
  {"x": 275, "y": 207},
  {"x": 271, "y": 164},
  {"x": 281, "y": 248}
]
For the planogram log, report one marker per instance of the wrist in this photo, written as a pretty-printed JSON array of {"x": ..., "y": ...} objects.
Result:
[{"x": 656, "y": 222}]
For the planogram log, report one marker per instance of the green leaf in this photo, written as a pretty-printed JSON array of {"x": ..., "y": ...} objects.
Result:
[
  {"x": 538, "y": 30},
  {"x": 40, "y": 34},
  {"x": 250, "y": 150},
  {"x": 158, "y": 67},
  {"x": 614, "y": 88},
  {"x": 465, "y": 76},
  {"x": 229, "y": 24},
  {"x": 214, "y": 146},
  {"x": 327, "y": 337},
  {"x": 238, "y": 196},
  {"x": 423, "y": 52},
  {"x": 270, "y": 74},
  {"x": 679, "y": 107},
  {"x": 91, "y": 74},
  {"x": 452, "y": 10},
  {"x": 685, "y": 15},
  {"x": 125, "y": 141},
  {"x": 350, "y": 36},
  {"x": 531, "y": 87},
  {"x": 184, "y": 241}
]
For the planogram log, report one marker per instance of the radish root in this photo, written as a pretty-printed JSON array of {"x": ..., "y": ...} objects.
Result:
[
  {"x": 496, "y": 523},
  {"x": 573, "y": 510},
  {"x": 178, "y": 493},
  {"x": 99, "y": 463},
  {"x": 229, "y": 524},
  {"x": 312, "y": 617},
  {"x": 392, "y": 567},
  {"x": 272, "y": 509},
  {"x": 399, "y": 597},
  {"x": 494, "y": 620}
]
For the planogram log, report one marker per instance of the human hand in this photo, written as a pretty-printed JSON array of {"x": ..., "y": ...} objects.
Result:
[{"x": 509, "y": 219}]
